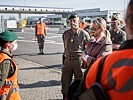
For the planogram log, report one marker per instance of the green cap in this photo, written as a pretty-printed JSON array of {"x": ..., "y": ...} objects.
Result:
[{"x": 8, "y": 36}]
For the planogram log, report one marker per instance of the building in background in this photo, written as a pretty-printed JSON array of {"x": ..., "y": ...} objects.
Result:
[{"x": 93, "y": 13}]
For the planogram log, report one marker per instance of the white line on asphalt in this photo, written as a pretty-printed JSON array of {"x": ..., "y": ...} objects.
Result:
[
  {"x": 20, "y": 37},
  {"x": 47, "y": 41},
  {"x": 52, "y": 37}
]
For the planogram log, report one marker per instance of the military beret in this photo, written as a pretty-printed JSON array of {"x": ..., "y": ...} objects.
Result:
[
  {"x": 8, "y": 36},
  {"x": 72, "y": 16}
]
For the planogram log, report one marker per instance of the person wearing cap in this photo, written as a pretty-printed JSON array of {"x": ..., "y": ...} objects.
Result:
[
  {"x": 117, "y": 34},
  {"x": 40, "y": 33},
  {"x": 73, "y": 40},
  {"x": 9, "y": 89}
]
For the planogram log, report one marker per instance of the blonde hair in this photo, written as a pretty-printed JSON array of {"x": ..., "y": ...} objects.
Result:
[
  {"x": 100, "y": 22},
  {"x": 107, "y": 34}
]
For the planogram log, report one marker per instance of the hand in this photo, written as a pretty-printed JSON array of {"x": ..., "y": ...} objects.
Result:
[
  {"x": 35, "y": 38},
  {"x": 116, "y": 46},
  {"x": 84, "y": 57}
]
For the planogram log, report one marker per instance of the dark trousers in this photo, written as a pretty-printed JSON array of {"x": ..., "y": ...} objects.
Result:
[
  {"x": 72, "y": 89},
  {"x": 40, "y": 40}
]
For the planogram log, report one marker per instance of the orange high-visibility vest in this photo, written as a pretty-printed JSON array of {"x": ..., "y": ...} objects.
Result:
[
  {"x": 11, "y": 81},
  {"x": 117, "y": 75},
  {"x": 83, "y": 25},
  {"x": 40, "y": 28}
]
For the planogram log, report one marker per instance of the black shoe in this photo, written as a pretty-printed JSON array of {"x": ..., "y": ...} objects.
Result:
[{"x": 41, "y": 52}]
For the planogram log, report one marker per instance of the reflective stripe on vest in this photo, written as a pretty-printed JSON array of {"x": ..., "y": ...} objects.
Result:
[
  {"x": 118, "y": 65},
  {"x": 117, "y": 75},
  {"x": 11, "y": 80}
]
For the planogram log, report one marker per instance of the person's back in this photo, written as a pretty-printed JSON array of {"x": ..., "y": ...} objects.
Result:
[
  {"x": 117, "y": 72},
  {"x": 116, "y": 75}
]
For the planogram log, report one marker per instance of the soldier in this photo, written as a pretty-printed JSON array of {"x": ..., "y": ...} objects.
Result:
[
  {"x": 9, "y": 89},
  {"x": 40, "y": 33},
  {"x": 117, "y": 35},
  {"x": 73, "y": 39}
]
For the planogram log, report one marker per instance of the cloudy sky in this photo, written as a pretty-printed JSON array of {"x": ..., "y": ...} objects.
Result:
[{"x": 76, "y": 4}]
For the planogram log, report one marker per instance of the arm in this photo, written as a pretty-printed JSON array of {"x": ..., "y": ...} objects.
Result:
[
  {"x": 87, "y": 37},
  {"x": 106, "y": 48},
  {"x": 45, "y": 28},
  {"x": 124, "y": 36},
  {"x": 4, "y": 70},
  {"x": 35, "y": 30}
]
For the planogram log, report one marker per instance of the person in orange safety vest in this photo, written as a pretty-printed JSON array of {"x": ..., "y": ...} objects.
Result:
[
  {"x": 40, "y": 33},
  {"x": 117, "y": 72},
  {"x": 9, "y": 89},
  {"x": 83, "y": 24}
]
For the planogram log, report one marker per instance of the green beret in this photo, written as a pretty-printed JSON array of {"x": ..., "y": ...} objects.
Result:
[{"x": 8, "y": 36}]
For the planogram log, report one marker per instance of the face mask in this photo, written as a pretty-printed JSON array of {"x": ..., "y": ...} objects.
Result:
[{"x": 15, "y": 45}]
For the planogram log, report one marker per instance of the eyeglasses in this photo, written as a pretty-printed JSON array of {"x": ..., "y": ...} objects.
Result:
[{"x": 99, "y": 22}]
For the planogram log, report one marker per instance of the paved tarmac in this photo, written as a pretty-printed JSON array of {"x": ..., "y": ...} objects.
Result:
[{"x": 38, "y": 82}]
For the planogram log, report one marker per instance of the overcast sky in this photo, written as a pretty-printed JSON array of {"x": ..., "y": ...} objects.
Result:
[{"x": 76, "y": 4}]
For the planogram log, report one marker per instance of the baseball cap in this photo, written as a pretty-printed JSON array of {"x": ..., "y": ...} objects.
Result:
[
  {"x": 8, "y": 36},
  {"x": 72, "y": 16}
]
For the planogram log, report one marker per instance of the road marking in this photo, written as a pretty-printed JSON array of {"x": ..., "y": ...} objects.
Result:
[
  {"x": 52, "y": 37},
  {"x": 46, "y": 41},
  {"x": 21, "y": 38}
]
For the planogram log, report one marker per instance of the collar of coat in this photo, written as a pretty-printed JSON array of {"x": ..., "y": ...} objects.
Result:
[{"x": 99, "y": 41}]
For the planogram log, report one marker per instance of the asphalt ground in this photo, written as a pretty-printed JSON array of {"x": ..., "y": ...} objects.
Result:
[{"x": 38, "y": 82}]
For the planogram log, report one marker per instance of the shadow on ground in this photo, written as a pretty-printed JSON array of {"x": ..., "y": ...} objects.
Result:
[
  {"x": 40, "y": 84},
  {"x": 37, "y": 54},
  {"x": 44, "y": 67}
]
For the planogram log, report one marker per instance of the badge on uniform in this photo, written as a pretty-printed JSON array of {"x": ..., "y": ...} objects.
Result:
[{"x": 71, "y": 40}]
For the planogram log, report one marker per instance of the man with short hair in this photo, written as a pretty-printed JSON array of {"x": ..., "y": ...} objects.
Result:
[
  {"x": 73, "y": 39},
  {"x": 117, "y": 35},
  {"x": 40, "y": 33}
]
